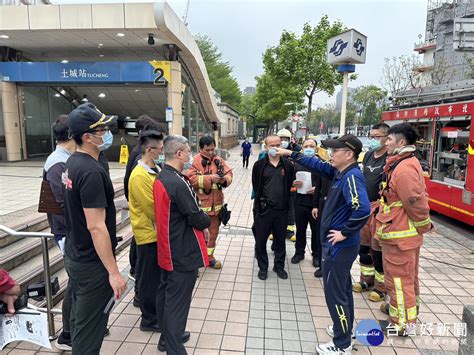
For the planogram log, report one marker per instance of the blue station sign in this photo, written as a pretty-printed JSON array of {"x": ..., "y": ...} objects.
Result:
[{"x": 84, "y": 72}]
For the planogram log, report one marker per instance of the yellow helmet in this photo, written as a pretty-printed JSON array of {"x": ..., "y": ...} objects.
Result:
[{"x": 284, "y": 133}]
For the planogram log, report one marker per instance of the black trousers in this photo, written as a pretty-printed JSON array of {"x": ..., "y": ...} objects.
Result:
[
  {"x": 303, "y": 217},
  {"x": 132, "y": 258},
  {"x": 271, "y": 222},
  {"x": 149, "y": 281},
  {"x": 245, "y": 161},
  {"x": 90, "y": 291},
  {"x": 172, "y": 305},
  {"x": 338, "y": 291}
]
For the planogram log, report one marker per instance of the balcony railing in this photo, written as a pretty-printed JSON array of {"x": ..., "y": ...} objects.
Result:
[{"x": 424, "y": 46}]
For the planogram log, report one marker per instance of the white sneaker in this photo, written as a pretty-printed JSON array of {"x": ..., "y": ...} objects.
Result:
[
  {"x": 330, "y": 332},
  {"x": 331, "y": 349}
]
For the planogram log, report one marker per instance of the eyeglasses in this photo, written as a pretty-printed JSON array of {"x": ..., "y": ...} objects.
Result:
[{"x": 155, "y": 147}]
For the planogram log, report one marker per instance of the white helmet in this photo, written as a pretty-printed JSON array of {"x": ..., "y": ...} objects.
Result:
[{"x": 284, "y": 133}]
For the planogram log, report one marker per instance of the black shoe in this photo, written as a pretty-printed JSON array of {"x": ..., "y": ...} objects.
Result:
[
  {"x": 64, "y": 342},
  {"x": 162, "y": 344},
  {"x": 315, "y": 262},
  {"x": 136, "y": 302},
  {"x": 281, "y": 273},
  {"x": 297, "y": 258},
  {"x": 318, "y": 273},
  {"x": 147, "y": 327},
  {"x": 107, "y": 332},
  {"x": 262, "y": 275}
]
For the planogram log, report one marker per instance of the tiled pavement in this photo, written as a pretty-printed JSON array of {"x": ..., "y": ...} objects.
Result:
[{"x": 233, "y": 312}]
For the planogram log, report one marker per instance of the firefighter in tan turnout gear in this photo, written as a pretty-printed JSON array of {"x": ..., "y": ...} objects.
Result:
[
  {"x": 209, "y": 174},
  {"x": 402, "y": 218}
]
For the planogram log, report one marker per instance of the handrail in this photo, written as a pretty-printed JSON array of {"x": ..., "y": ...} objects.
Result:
[{"x": 47, "y": 273}]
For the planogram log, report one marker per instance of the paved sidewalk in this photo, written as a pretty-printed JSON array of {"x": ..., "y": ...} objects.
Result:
[{"x": 233, "y": 312}]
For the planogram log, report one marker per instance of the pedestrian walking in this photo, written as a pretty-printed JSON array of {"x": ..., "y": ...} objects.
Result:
[
  {"x": 53, "y": 170},
  {"x": 210, "y": 175},
  {"x": 182, "y": 230},
  {"x": 142, "y": 219},
  {"x": 346, "y": 211},
  {"x": 246, "y": 153},
  {"x": 370, "y": 253},
  {"x": 402, "y": 219},
  {"x": 91, "y": 230},
  {"x": 272, "y": 178}
]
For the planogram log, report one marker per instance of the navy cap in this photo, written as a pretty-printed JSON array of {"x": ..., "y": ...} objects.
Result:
[
  {"x": 86, "y": 118},
  {"x": 346, "y": 141}
]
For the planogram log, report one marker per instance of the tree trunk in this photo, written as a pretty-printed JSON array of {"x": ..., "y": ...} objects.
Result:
[{"x": 310, "y": 102}]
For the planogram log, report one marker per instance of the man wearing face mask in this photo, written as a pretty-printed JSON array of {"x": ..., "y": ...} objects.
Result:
[
  {"x": 272, "y": 178},
  {"x": 182, "y": 231},
  {"x": 306, "y": 208},
  {"x": 287, "y": 143},
  {"x": 209, "y": 175},
  {"x": 91, "y": 229},
  {"x": 142, "y": 219},
  {"x": 346, "y": 211},
  {"x": 370, "y": 252},
  {"x": 403, "y": 217}
]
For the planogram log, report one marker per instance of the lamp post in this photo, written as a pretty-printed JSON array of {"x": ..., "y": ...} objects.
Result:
[{"x": 254, "y": 138}]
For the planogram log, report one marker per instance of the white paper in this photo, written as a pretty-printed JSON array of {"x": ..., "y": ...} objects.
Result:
[
  {"x": 24, "y": 327},
  {"x": 305, "y": 178}
]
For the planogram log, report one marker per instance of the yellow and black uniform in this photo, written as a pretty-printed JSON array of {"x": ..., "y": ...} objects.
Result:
[{"x": 142, "y": 219}]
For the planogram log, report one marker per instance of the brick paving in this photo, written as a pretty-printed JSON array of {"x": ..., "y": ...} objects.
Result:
[{"x": 233, "y": 312}]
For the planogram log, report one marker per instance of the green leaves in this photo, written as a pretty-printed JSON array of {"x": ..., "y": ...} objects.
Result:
[{"x": 219, "y": 71}]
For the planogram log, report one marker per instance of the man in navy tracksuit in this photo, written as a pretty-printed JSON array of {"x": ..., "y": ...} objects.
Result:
[{"x": 346, "y": 211}]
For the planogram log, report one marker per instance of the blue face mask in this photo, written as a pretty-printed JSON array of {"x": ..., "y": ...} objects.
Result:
[
  {"x": 160, "y": 160},
  {"x": 272, "y": 152},
  {"x": 309, "y": 152},
  {"x": 107, "y": 140},
  {"x": 375, "y": 144}
]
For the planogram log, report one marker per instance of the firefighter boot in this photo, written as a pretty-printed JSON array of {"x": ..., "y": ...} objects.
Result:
[
  {"x": 384, "y": 308},
  {"x": 290, "y": 232},
  {"x": 213, "y": 263},
  {"x": 361, "y": 286},
  {"x": 376, "y": 296}
]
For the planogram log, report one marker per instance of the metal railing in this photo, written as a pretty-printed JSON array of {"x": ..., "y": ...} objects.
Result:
[{"x": 47, "y": 275}]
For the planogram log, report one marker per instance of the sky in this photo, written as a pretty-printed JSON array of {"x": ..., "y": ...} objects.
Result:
[{"x": 243, "y": 29}]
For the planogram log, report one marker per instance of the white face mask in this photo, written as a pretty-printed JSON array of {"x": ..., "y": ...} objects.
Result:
[
  {"x": 189, "y": 163},
  {"x": 285, "y": 144}
]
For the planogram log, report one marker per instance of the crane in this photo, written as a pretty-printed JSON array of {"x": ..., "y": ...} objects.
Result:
[{"x": 185, "y": 16}]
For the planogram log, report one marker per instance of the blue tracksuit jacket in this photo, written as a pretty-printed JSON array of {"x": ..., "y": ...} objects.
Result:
[{"x": 347, "y": 207}]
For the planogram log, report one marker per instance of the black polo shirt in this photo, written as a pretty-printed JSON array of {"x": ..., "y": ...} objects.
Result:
[
  {"x": 87, "y": 185},
  {"x": 274, "y": 184},
  {"x": 373, "y": 171}
]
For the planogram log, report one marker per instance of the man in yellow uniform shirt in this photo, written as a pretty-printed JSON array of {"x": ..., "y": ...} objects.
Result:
[{"x": 142, "y": 219}]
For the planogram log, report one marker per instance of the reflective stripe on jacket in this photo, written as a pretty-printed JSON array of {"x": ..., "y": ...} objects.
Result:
[
  {"x": 211, "y": 196},
  {"x": 403, "y": 215}
]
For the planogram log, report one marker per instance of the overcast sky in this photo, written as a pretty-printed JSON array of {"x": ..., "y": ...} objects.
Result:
[{"x": 243, "y": 29}]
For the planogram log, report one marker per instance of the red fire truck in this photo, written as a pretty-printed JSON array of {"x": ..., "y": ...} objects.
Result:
[{"x": 446, "y": 153}]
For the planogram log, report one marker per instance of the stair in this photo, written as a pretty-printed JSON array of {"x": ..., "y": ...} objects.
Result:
[{"x": 23, "y": 259}]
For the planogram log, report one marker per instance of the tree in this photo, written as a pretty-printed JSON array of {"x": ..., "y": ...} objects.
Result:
[
  {"x": 270, "y": 99},
  {"x": 219, "y": 71},
  {"x": 301, "y": 61},
  {"x": 400, "y": 74},
  {"x": 368, "y": 100}
]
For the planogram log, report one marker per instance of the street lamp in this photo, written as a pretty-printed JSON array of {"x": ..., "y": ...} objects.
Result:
[{"x": 254, "y": 138}]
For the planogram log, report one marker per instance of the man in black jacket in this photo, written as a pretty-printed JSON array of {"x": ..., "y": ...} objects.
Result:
[
  {"x": 272, "y": 178},
  {"x": 181, "y": 233}
]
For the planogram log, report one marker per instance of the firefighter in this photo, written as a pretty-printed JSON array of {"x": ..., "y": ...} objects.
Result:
[
  {"x": 402, "y": 218},
  {"x": 370, "y": 252},
  {"x": 209, "y": 174},
  {"x": 286, "y": 143}
]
